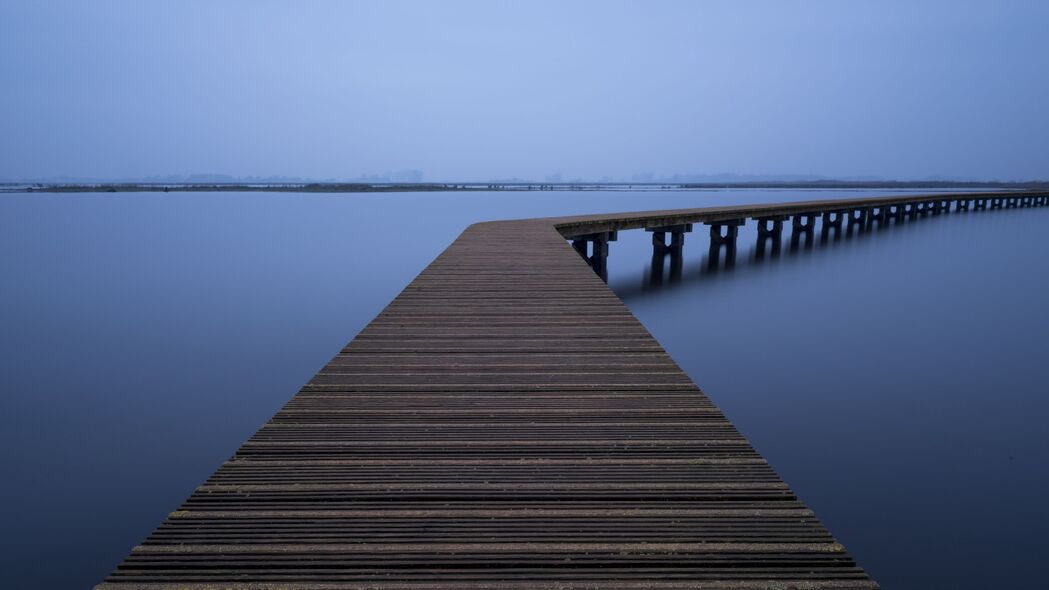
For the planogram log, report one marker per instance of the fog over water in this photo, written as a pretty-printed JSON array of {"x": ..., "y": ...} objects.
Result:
[{"x": 894, "y": 379}]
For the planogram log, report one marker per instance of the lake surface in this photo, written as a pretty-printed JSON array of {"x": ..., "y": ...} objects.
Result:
[{"x": 895, "y": 379}]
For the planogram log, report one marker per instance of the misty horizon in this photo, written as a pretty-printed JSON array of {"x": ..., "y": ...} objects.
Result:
[
  {"x": 418, "y": 177},
  {"x": 469, "y": 91}
]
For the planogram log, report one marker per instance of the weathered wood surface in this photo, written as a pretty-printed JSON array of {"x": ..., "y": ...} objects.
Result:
[{"x": 504, "y": 423}]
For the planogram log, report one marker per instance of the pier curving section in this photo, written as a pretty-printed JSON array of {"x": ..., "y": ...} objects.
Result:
[{"x": 507, "y": 423}]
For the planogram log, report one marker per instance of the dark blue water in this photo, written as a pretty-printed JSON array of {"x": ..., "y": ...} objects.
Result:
[{"x": 895, "y": 379}]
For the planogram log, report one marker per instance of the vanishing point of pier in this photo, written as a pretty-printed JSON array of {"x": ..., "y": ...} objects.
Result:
[{"x": 506, "y": 423}]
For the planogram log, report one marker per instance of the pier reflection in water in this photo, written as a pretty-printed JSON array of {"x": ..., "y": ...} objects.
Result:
[
  {"x": 891, "y": 371},
  {"x": 661, "y": 250},
  {"x": 794, "y": 234}
]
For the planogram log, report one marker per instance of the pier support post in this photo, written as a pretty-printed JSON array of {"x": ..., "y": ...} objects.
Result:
[
  {"x": 979, "y": 204},
  {"x": 802, "y": 224},
  {"x": 895, "y": 211},
  {"x": 677, "y": 238},
  {"x": 831, "y": 220},
  {"x": 858, "y": 216},
  {"x": 1012, "y": 202},
  {"x": 598, "y": 258},
  {"x": 726, "y": 238},
  {"x": 769, "y": 228},
  {"x": 660, "y": 249},
  {"x": 996, "y": 202},
  {"x": 961, "y": 205}
]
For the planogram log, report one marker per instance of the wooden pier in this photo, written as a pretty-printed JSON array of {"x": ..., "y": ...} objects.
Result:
[{"x": 506, "y": 423}]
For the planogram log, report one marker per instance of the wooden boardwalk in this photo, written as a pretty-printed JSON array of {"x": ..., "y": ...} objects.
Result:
[{"x": 504, "y": 423}]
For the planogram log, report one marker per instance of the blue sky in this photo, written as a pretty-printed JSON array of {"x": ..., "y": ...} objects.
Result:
[{"x": 477, "y": 90}]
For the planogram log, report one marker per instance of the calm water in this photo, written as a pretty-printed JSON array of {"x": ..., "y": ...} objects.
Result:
[{"x": 895, "y": 379}]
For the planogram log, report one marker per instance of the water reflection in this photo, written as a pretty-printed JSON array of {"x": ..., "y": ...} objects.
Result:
[
  {"x": 836, "y": 229},
  {"x": 821, "y": 357},
  {"x": 656, "y": 268},
  {"x": 662, "y": 249}
]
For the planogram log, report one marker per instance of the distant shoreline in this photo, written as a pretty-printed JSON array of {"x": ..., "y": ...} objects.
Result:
[{"x": 340, "y": 187}]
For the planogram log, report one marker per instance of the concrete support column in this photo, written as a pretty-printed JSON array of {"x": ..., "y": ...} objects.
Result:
[
  {"x": 802, "y": 225},
  {"x": 979, "y": 204},
  {"x": 660, "y": 249},
  {"x": 997, "y": 202},
  {"x": 677, "y": 238},
  {"x": 1011, "y": 202},
  {"x": 804, "y": 222},
  {"x": 832, "y": 220},
  {"x": 769, "y": 228},
  {"x": 723, "y": 237},
  {"x": 858, "y": 216},
  {"x": 726, "y": 236},
  {"x": 598, "y": 258},
  {"x": 961, "y": 205}
]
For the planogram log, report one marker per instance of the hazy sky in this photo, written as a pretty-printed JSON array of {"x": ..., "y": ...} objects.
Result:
[{"x": 476, "y": 90}]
